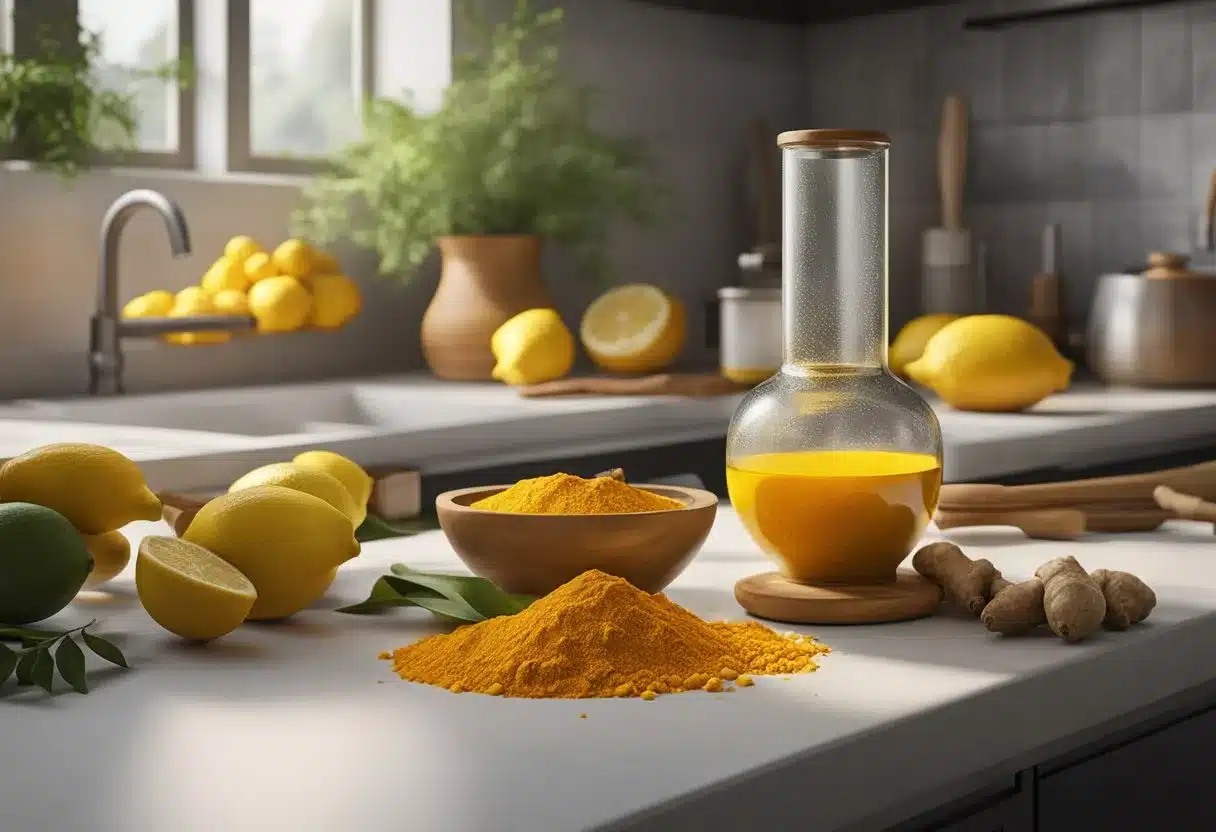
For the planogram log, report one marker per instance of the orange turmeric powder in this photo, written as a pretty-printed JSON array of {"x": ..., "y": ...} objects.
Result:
[
  {"x": 568, "y": 494},
  {"x": 598, "y": 636}
]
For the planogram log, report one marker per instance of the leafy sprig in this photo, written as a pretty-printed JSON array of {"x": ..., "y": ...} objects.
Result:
[
  {"x": 35, "y": 662},
  {"x": 460, "y": 598},
  {"x": 376, "y": 528}
]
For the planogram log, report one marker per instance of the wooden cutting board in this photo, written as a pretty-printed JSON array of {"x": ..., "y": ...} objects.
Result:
[{"x": 697, "y": 385}]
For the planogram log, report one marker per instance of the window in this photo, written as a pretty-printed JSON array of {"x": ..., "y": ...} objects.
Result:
[
  {"x": 134, "y": 35},
  {"x": 298, "y": 74}
]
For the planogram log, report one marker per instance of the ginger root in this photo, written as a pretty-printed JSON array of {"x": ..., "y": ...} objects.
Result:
[
  {"x": 965, "y": 582},
  {"x": 1074, "y": 604},
  {"x": 1129, "y": 600}
]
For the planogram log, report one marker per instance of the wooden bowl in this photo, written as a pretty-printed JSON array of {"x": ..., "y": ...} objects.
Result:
[{"x": 533, "y": 554}]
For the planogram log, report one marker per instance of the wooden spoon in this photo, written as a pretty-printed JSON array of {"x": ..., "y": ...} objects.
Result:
[{"x": 1046, "y": 524}]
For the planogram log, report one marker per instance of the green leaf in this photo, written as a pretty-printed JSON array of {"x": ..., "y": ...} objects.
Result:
[
  {"x": 25, "y": 667},
  {"x": 477, "y": 593},
  {"x": 382, "y": 597},
  {"x": 376, "y": 528},
  {"x": 42, "y": 673},
  {"x": 69, "y": 659},
  {"x": 8, "y": 662},
  {"x": 105, "y": 649},
  {"x": 25, "y": 634}
]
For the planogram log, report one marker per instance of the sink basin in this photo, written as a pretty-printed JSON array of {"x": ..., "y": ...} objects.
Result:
[{"x": 313, "y": 410}]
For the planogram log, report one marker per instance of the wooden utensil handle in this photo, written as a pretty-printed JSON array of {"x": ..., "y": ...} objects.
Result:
[
  {"x": 1185, "y": 506},
  {"x": 952, "y": 161},
  {"x": 1047, "y": 524}
]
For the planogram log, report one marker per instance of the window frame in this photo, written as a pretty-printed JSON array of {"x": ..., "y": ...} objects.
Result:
[
  {"x": 183, "y": 157},
  {"x": 241, "y": 158}
]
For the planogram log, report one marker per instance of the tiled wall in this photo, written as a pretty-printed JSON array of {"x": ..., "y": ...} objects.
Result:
[{"x": 1105, "y": 124}]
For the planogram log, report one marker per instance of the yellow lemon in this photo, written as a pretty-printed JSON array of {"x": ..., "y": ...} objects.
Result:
[
  {"x": 335, "y": 300},
  {"x": 225, "y": 273},
  {"x": 281, "y": 304},
  {"x": 190, "y": 304},
  {"x": 310, "y": 481},
  {"x": 286, "y": 542},
  {"x": 241, "y": 248},
  {"x": 259, "y": 266},
  {"x": 910, "y": 342},
  {"x": 325, "y": 263},
  {"x": 96, "y": 488},
  {"x": 358, "y": 483},
  {"x": 153, "y": 304},
  {"x": 994, "y": 363},
  {"x": 293, "y": 258},
  {"x": 532, "y": 347},
  {"x": 230, "y": 302},
  {"x": 634, "y": 328},
  {"x": 190, "y": 591},
  {"x": 111, "y": 552}
]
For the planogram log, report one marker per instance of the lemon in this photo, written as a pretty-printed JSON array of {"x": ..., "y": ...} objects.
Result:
[
  {"x": 293, "y": 258},
  {"x": 191, "y": 592},
  {"x": 241, "y": 248},
  {"x": 259, "y": 267},
  {"x": 96, "y": 488},
  {"x": 991, "y": 363},
  {"x": 230, "y": 302},
  {"x": 43, "y": 563},
  {"x": 910, "y": 342},
  {"x": 153, "y": 304},
  {"x": 357, "y": 482},
  {"x": 281, "y": 304},
  {"x": 634, "y": 328},
  {"x": 335, "y": 300},
  {"x": 532, "y": 347},
  {"x": 225, "y": 273},
  {"x": 310, "y": 481},
  {"x": 324, "y": 263},
  {"x": 188, "y": 305},
  {"x": 111, "y": 552},
  {"x": 286, "y": 542}
]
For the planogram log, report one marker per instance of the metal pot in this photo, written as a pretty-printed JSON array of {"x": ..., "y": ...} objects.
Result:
[{"x": 1156, "y": 329}]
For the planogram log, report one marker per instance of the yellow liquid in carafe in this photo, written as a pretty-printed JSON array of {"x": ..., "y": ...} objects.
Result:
[{"x": 836, "y": 516}]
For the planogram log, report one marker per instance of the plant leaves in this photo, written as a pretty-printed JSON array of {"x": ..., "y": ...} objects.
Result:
[
  {"x": 376, "y": 528},
  {"x": 382, "y": 597},
  {"x": 25, "y": 667},
  {"x": 25, "y": 634},
  {"x": 477, "y": 593},
  {"x": 42, "y": 673},
  {"x": 8, "y": 661},
  {"x": 105, "y": 649},
  {"x": 69, "y": 659}
]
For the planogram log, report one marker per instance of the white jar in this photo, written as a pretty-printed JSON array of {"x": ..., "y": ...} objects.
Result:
[{"x": 750, "y": 335}]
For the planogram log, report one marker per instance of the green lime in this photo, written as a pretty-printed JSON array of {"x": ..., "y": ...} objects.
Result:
[{"x": 43, "y": 563}]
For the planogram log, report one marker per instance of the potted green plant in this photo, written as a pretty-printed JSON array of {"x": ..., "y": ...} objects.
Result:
[
  {"x": 56, "y": 113},
  {"x": 509, "y": 159}
]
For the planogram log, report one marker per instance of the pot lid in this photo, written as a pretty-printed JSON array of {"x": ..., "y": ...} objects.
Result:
[{"x": 1167, "y": 265}]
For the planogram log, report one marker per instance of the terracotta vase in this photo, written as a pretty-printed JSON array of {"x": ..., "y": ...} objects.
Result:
[{"x": 485, "y": 280}]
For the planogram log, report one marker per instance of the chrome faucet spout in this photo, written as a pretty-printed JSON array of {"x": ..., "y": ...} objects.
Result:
[{"x": 115, "y": 221}]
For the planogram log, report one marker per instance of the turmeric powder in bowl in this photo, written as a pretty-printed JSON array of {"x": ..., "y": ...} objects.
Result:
[{"x": 568, "y": 494}]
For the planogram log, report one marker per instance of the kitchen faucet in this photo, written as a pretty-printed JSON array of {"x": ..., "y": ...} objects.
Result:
[{"x": 106, "y": 328}]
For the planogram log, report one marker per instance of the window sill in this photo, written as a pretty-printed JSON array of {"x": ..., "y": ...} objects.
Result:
[{"x": 280, "y": 180}]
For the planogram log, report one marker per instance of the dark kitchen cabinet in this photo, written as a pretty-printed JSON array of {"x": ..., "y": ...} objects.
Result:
[{"x": 795, "y": 11}]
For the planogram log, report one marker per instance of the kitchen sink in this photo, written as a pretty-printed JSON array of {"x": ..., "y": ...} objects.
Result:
[{"x": 347, "y": 409}]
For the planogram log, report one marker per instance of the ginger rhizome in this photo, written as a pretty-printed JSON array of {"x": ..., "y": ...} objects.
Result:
[{"x": 1074, "y": 604}]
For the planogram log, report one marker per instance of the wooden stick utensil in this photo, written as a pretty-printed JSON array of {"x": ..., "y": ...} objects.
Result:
[
  {"x": 1185, "y": 506},
  {"x": 1045, "y": 524}
]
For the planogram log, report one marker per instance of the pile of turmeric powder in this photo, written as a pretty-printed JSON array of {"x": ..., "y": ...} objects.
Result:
[
  {"x": 598, "y": 636},
  {"x": 568, "y": 494}
]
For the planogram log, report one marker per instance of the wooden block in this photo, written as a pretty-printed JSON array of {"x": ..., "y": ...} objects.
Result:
[{"x": 396, "y": 494}]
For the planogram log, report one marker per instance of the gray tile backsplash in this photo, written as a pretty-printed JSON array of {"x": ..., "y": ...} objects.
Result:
[{"x": 1105, "y": 124}]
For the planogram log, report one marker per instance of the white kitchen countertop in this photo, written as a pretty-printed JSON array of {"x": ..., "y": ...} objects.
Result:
[{"x": 299, "y": 727}]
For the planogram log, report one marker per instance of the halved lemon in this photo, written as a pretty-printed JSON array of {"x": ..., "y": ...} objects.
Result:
[
  {"x": 189, "y": 590},
  {"x": 634, "y": 328}
]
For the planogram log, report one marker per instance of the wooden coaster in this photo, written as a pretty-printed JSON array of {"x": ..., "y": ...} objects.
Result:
[{"x": 777, "y": 598}]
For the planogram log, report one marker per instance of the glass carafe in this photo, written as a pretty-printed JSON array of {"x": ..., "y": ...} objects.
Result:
[{"x": 834, "y": 464}]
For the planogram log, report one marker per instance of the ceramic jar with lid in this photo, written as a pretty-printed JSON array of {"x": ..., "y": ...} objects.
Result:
[{"x": 750, "y": 333}]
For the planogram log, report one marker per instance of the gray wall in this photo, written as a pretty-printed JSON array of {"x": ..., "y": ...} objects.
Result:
[
  {"x": 688, "y": 83},
  {"x": 1105, "y": 124}
]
